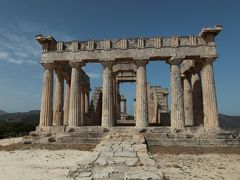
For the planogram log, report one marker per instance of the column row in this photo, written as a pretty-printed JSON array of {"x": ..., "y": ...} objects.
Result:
[
  {"x": 68, "y": 111},
  {"x": 193, "y": 99}
]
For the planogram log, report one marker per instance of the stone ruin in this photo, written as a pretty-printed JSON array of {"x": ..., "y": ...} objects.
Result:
[
  {"x": 190, "y": 119},
  {"x": 193, "y": 92}
]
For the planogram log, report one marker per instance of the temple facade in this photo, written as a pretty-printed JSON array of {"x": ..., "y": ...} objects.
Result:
[{"x": 192, "y": 90}]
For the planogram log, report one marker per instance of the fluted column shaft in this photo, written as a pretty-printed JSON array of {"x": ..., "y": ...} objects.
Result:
[
  {"x": 75, "y": 104},
  {"x": 46, "y": 113},
  {"x": 66, "y": 103},
  {"x": 117, "y": 101},
  {"x": 82, "y": 94},
  {"x": 86, "y": 101},
  {"x": 188, "y": 108},
  {"x": 141, "y": 95},
  {"x": 107, "y": 96},
  {"x": 177, "y": 106},
  {"x": 197, "y": 97},
  {"x": 209, "y": 95},
  {"x": 58, "y": 101}
]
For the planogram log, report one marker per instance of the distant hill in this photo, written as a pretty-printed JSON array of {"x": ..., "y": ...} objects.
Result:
[
  {"x": 226, "y": 121},
  {"x": 19, "y": 123},
  {"x": 2, "y": 112}
]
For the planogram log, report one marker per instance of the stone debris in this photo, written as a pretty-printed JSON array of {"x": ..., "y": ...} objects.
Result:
[{"x": 118, "y": 156}]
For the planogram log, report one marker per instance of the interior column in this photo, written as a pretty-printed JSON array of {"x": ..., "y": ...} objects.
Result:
[
  {"x": 141, "y": 94},
  {"x": 107, "y": 95}
]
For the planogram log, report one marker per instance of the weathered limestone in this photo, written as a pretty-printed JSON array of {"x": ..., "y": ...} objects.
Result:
[
  {"x": 177, "y": 106},
  {"x": 188, "y": 102},
  {"x": 66, "y": 103},
  {"x": 125, "y": 60},
  {"x": 82, "y": 104},
  {"x": 58, "y": 101},
  {"x": 141, "y": 95},
  {"x": 118, "y": 156},
  {"x": 75, "y": 102},
  {"x": 107, "y": 96},
  {"x": 86, "y": 95},
  {"x": 46, "y": 113},
  {"x": 209, "y": 95},
  {"x": 197, "y": 97}
]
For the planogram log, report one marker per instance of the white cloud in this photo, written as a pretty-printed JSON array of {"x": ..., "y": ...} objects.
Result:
[
  {"x": 3, "y": 55},
  {"x": 94, "y": 75}
]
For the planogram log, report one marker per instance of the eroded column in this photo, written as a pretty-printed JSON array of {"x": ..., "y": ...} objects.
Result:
[
  {"x": 141, "y": 94},
  {"x": 66, "y": 103},
  {"x": 58, "y": 100},
  {"x": 188, "y": 108},
  {"x": 107, "y": 95},
  {"x": 82, "y": 94},
  {"x": 86, "y": 101},
  {"x": 177, "y": 106},
  {"x": 197, "y": 96},
  {"x": 75, "y": 104},
  {"x": 209, "y": 95},
  {"x": 46, "y": 114}
]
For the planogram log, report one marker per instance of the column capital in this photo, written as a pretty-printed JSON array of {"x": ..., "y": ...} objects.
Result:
[
  {"x": 209, "y": 60},
  {"x": 48, "y": 66},
  {"x": 109, "y": 63},
  {"x": 76, "y": 65},
  {"x": 174, "y": 60},
  {"x": 140, "y": 62}
]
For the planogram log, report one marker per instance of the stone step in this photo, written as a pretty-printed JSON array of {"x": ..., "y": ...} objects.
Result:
[{"x": 78, "y": 140}]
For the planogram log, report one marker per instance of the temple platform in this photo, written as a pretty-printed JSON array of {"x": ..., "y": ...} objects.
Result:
[{"x": 163, "y": 136}]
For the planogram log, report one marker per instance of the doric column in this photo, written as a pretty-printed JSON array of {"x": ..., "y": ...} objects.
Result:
[
  {"x": 141, "y": 94},
  {"x": 46, "y": 113},
  {"x": 209, "y": 95},
  {"x": 82, "y": 94},
  {"x": 66, "y": 103},
  {"x": 58, "y": 101},
  {"x": 134, "y": 108},
  {"x": 107, "y": 95},
  {"x": 197, "y": 96},
  {"x": 123, "y": 105},
  {"x": 117, "y": 101},
  {"x": 187, "y": 93},
  {"x": 86, "y": 101},
  {"x": 177, "y": 107},
  {"x": 75, "y": 104}
]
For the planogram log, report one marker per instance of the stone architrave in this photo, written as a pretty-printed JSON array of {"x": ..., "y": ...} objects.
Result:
[
  {"x": 66, "y": 103},
  {"x": 177, "y": 106},
  {"x": 141, "y": 95},
  {"x": 46, "y": 114},
  {"x": 58, "y": 100},
  {"x": 75, "y": 101},
  {"x": 209, "y": 95},
  {"x": 107, "y": 95},
  {"x": 188, "y": 108}
]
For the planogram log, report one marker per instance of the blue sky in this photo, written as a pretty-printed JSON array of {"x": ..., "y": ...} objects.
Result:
[{"x": 21, "y": 20}]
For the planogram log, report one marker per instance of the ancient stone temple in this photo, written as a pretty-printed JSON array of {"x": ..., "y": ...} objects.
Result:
[{"x": 193, "y": 92}]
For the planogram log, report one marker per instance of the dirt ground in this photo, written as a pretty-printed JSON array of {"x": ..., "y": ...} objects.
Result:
[
  {"x": 198, "y": 163},
  {"x": 176, "y": 163}
]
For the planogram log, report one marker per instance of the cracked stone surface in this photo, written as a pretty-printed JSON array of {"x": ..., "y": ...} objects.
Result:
[{"x": 118, "y": 156}]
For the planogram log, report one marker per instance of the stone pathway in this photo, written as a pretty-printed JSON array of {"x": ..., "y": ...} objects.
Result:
[{"x": 118, "y": 156}]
